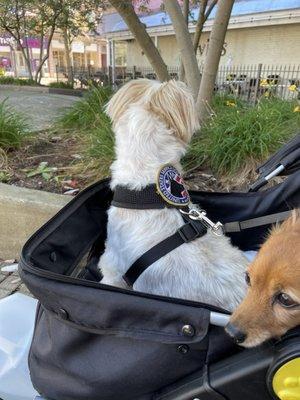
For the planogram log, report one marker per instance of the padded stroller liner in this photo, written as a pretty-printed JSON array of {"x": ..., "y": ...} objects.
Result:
[{"x": 97, "y": 342}]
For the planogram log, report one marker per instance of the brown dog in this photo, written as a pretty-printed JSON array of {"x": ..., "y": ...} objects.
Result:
[{"x": 272, "y": 304}]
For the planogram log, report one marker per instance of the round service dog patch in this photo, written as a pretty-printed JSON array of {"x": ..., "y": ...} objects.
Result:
[{"x": 171, "y": 187}]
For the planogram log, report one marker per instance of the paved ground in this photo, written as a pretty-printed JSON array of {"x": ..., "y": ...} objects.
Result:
[
  {"x": 11, "y": 283},
  {"x": 41, "y": 109}
]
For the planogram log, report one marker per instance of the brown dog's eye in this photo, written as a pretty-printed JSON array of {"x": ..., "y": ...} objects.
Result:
[
  {"x": 285, "y": 300},
  {"x": 247, "y": 279}
]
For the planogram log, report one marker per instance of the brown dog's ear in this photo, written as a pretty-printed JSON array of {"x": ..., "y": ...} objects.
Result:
[
  {"x": 130, "y": 93},
  {"x": 293, "y": 222},
  {"x": 173, "y": 103}
]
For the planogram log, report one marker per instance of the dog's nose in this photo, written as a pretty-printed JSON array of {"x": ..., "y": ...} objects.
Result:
[{"x": 237, "y": 335}]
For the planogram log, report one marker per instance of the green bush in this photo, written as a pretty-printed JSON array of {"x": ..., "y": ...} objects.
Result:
[
  {"x": 239, "y": 134},
  {"x": 88, "y": 121},
  {"x": 61, "y": 85},
  {"x": 87, "y": 112},
  {"x": 12, "y": 127},
  {"x": 237, "y": 137},
  {"x": 10, "y": 80}
]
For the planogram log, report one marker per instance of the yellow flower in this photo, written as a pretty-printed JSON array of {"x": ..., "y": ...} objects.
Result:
[
  {"x": 230, "y": 103},
  {"x": 267, "y": 94},
  {"x": 293, "y": 88},
  {"x": 297, "y": 109},
  {"x": 264, "y": 82}
]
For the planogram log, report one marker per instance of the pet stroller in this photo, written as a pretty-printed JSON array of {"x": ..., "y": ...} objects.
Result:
[{"x": 97, "y": 342}]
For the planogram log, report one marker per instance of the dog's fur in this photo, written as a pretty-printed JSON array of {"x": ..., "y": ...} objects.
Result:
[
  {"x": 153, "y": 123},
  {"x": 275, "y": 270}
]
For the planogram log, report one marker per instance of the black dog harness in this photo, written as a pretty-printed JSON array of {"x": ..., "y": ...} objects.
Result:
[{"x": 170, "y": 192}]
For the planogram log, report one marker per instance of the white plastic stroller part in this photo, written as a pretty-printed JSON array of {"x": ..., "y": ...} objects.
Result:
[{"x": 17, "y": 314}]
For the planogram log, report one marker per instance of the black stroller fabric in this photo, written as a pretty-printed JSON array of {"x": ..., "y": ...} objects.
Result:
[
  {"x": 288, "y": 156},
  {"x": 97, "y": 342}
]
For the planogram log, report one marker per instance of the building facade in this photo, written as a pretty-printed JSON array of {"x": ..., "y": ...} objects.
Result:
[
  {"x": 260, "y": 31},
  {"x": 86, "y": 52}
]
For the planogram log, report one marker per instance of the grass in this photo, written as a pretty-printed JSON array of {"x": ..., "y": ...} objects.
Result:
[
  {"x": 231, "y": 143},
  {"x": 92, "y": 126},
  {"x": 239, "y": 136},
  {"x": 61, "y": 85},
  {"x": 12, "y": 127},
  {"x": 9, "y": 80}
]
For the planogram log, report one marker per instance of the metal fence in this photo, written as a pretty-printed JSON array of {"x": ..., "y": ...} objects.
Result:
[{"x": 248, "y": 82}]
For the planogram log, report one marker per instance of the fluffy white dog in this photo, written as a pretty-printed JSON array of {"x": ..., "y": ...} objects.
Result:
[{"x": 153, "y": 124}]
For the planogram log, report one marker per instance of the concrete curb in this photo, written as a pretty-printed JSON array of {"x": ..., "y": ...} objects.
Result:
[
  {"x": 22, "y": 212},
  {"x": 45, "y": 89}
]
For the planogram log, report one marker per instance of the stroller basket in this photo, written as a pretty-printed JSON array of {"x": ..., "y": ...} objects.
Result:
[{"x": 96, "y": 342}]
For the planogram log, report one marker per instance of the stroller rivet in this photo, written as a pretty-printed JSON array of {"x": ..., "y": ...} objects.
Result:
[
  {"x": 63, "y": 314},
  {"x": 53, "y": 256},
  {"x": 183, "y": 348},
  {"x": 188, "y": 330}
]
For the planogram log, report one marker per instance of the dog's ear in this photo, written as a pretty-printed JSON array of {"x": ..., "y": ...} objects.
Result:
[
  {"x": 293, "y": 222},
  {"x": 130, "y": 93},
  {"x": 173, "y": 103}
]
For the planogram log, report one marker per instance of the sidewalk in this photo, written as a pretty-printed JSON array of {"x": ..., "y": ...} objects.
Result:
[
  {"x": 10, "y": 283},
  {"x": 40, "y": 109}
]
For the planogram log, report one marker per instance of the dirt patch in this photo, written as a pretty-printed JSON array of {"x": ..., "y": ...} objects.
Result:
[
  {"x": 55, "y": 162},
  {"x": 46, "y": 162}
]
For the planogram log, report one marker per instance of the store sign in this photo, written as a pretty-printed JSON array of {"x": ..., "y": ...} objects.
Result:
[
  {"x": 33, "y": 43},
  {"x": 6, "y": 41}
]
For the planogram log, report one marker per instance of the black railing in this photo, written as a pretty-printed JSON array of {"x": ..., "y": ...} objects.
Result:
[{"x": 248, "y": 82}]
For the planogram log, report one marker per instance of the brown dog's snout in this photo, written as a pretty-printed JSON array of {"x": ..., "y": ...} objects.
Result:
[{"x": 236, "y": 333}]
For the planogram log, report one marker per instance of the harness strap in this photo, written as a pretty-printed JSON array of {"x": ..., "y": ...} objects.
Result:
[
  {"x": 189, "y": 232},
  {"x": 185, "y": 234},
  {"x": 238, "y": 226}
]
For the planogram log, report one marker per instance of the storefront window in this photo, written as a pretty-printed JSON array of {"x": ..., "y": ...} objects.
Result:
[
  {"x": 21, "y": 60},
  {"x": 120, "y": 54},
  {"x": 59, "y": 58},
  {"x": 78, "y": 60}
]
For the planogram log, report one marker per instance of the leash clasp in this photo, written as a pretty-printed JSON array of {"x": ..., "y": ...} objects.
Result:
[{"x": 197, "y": 214}]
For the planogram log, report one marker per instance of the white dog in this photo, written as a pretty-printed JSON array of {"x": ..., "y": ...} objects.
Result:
[{"x": 153, "y": 124}]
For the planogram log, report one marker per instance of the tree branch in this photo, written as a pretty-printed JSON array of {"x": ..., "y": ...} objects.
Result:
[
  {"x": 126, "y": 10},
  {"x": 185, "y": 45},
  {"x": 210, "y": 8},
  {"x": 216, "y": 42},
  {"x": 186, "y": 12},
  {"x": 199, "y": 24}
]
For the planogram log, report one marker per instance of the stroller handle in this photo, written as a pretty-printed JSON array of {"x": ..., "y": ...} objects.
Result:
[{"x": 219, "y": 319}]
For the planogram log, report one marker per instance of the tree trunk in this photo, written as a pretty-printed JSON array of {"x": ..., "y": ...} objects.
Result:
[
  {"x": 186, "y": 12},
  {"x": 38, "y": 72},
  {"x": 20, "y": 45},
  {"x": 185, "y": 45},
  {"x": 44, "y": 58},
  {"x": 26, "y": 55},
  {"x": 199, "y": 24},
  {"x": 216, "y": 41},
  {"x": 68, "y": 57},
  {"x": 126, "y": 10}
]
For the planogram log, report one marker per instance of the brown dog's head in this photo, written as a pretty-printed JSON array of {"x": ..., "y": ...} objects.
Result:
[{"x": 272, "y": 304}]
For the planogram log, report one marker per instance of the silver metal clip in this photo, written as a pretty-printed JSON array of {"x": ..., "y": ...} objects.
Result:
[{"x": 196, "y": 214}]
